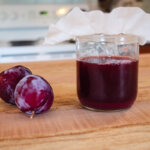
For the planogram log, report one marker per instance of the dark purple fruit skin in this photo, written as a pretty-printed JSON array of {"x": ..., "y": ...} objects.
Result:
[
  {"x": 8, "y": 81},
  {"x": 33, "y": 93}
]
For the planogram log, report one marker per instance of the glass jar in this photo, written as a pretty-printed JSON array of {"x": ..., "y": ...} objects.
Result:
[{"x": 107, "y": 71}]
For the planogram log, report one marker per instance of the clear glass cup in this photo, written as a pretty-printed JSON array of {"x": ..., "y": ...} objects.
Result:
[{"x": 107, "y": 71}]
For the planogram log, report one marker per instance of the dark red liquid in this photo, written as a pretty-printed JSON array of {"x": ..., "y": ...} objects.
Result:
[{"x": 107, "y": 83}]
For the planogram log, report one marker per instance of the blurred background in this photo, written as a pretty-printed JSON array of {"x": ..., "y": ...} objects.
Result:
[{"x": 24, "y": 23}]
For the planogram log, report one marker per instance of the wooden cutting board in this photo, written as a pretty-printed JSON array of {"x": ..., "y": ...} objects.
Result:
[{"x": 67, "y": 126}]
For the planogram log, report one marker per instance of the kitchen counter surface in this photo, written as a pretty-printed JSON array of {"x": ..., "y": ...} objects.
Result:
[{"x": 69, "y": 127}]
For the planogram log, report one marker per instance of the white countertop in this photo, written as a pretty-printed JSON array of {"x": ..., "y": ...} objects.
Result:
[{"x": 37, "y": 53}]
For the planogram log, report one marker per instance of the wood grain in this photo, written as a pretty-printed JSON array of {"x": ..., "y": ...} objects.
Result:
[{"x": 67, "y": 126}]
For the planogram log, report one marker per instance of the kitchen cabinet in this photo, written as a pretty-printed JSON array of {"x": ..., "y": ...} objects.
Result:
[{"x": 145, "y": 48}]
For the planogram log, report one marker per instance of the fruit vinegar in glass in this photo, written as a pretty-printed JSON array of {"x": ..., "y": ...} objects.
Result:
[
  {"x": 107, "y": 71},
  {"x": 107, "y": 82}
]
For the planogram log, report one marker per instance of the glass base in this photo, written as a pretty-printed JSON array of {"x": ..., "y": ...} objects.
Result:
[{"x": 104, "y": 110}]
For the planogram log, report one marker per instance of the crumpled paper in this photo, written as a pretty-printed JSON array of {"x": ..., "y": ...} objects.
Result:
[{"x": 127, "y": 20}]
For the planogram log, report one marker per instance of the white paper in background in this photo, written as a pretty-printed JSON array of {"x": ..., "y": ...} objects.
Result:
[{"x": 127, "y": 20}]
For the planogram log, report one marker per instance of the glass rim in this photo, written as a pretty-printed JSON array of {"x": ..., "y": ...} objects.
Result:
[{"x": 106, "y": 38}]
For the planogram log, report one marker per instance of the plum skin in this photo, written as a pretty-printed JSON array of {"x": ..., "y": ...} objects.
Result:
[
  {"x": 33, "y": 93},
  {"x": 8, "y": 81}
]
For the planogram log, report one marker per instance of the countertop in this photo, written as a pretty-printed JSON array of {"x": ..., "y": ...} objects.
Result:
[{"x": 67, "y": 126}]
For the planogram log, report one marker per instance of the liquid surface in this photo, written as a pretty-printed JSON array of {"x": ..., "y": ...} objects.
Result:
[{"x": 107, "y": 83}]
